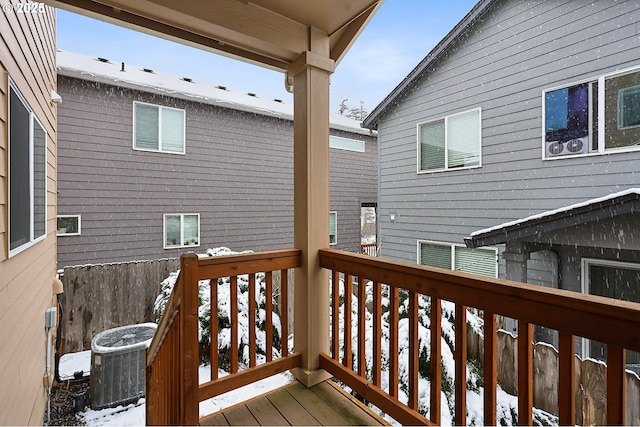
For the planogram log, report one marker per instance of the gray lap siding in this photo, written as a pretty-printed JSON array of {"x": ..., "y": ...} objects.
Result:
[{"x": 237, "y": 173}]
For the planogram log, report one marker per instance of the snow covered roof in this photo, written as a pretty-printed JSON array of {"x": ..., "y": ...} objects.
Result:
[
  {"x": 103, "y": 70},
  {"x": 609, "y": 206}
]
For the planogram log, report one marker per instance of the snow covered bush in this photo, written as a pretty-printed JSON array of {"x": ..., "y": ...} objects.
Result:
[
  {"x": 507, "y": 404},
  {"x": 223, "y": 315}
]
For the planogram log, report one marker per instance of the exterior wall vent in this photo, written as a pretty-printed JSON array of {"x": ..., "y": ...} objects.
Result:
[{"x": 117, "y": 365}]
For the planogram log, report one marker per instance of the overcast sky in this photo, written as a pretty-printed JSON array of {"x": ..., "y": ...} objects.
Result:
[{"x": 398, "y": 37}]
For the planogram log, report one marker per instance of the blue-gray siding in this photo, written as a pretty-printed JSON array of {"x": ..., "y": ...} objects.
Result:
[
  {"x": 237, "y": 173},
  {"x": 502, "y": 64}
]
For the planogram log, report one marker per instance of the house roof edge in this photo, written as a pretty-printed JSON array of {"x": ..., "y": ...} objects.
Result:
[{"x": 371, "y": 121}]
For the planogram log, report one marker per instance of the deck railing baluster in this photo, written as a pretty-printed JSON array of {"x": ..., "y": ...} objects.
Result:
[
  {"x": 348, "y": 292},
  {"x": 394, "y": 300},
  {"x": 436, "y": 359},
  {"x": 213, "y": 327},
  {"x": 525, "y": 373},
  {"x": 284, "y": 312},
  {"x": 490, "y": 368},
  {"x": 362, "y": 327},
  {"x": 252, "y": 320},
  {"x": 461, "y": 365},
  {"x": 233, "y": 308},
  {"x": 377, "y": 334},
  {"x": 335, "y": 314},
  {"x": 268, "y": 327},
  {"x": 616, "y": 385},
  {"x": 414, "y": 356}
]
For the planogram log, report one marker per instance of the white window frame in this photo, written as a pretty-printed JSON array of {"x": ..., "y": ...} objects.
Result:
[
  {"x": 446, "y": 143},
  {"x": 335, "y": 213},
  {"x": 78, "y": 233},
  {"x": 586, "y": 288},
  {"x": 33, "y": 119},
  {"x": 600, "y": 80},
  {"x": 160, "y": 109},
  {"x": 453, "y": 247},
  {"x": 621, "y": 93},
  {"x": 164, "y": 231},
  {"x": 347, "y": 144}
]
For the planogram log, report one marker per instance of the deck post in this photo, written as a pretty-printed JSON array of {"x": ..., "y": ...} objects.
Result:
[{"x": 310, "y": 74}]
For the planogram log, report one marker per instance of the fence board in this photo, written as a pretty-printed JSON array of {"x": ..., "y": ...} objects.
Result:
[{"x": 104, "y": 296}]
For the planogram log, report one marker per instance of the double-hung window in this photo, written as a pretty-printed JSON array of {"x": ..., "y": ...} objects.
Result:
[
  {"x": 27, "y": 175},
  {"x": 451, "y": 142},
  {"x": 599, "y": 115},
  {"x": 459, "y": 258},
  {"x": 181, "y": 230},
  {"x": 158, "y": 128}
]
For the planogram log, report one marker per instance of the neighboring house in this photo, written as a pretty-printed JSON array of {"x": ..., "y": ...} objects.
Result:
[
  {"x": 27, "y": 206},
  {"x": 517, "y": 140},
  {"x": 153, "y": 165}
]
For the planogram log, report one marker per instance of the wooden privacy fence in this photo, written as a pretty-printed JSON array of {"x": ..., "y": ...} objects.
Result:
[
  {"x": 173, "y": 388},
  {"x": 104, "y": 296},
  {"x": 613, "y": 322},
  {"x": 591, "y": 379}
]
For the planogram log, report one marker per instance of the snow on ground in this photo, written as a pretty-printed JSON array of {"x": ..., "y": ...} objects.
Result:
[{"x": 134, "y": 414}]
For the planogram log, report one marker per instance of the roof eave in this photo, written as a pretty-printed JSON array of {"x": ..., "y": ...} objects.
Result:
[{"x": 611, "y": 208}]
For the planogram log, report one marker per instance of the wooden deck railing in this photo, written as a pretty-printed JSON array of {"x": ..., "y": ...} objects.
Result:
[
  {"x": 173, "y": 387},
  {"x": 614, "y": 322},
  {"x": 370, "y": 249}
]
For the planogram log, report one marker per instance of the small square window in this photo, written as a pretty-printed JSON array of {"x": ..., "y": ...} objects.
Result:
[
  {"x": 181, "y": 230},
  {"x": 68, "y": 225}
]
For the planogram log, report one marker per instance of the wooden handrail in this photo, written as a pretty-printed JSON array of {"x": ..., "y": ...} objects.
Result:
[
  {"x": 173, "y": 389},
  {"x": 614, "y": 322},
  {"x": 163, "y": 397},
  {"x": 603, "y": 319}
]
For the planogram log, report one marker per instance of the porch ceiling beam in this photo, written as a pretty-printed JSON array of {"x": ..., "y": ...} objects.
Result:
[
  {"x": 270, "y": 33},
  {"x": 225, "y": 26},
  {"x": 342, "y": 40}
]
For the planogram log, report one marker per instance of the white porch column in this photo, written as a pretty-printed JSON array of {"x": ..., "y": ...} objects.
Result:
[{"x": 310, "y": 74}]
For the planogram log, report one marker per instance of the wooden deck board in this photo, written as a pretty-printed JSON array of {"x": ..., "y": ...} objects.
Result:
[
  {"x": 354, "y": 414},
  {"x": 296, "y": 405},
  {"x": 265, "y": 413},
  {"x": 326, "y": 414},
  {"x": 241, "y": 416}
]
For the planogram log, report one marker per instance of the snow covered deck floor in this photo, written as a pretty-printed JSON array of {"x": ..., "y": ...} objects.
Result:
[{"x": 322, "y": 405}]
